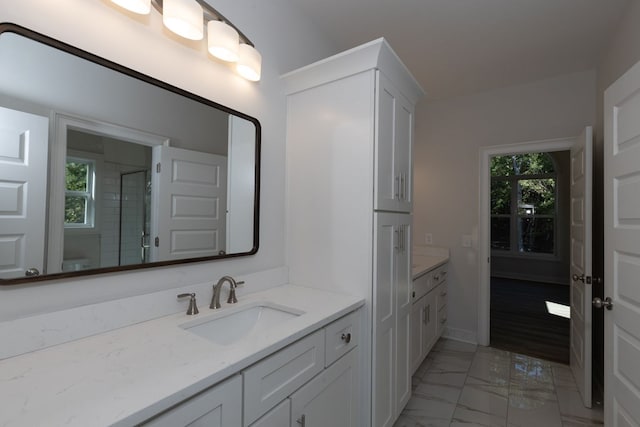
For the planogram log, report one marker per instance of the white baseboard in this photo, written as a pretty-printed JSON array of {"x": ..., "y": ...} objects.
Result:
[{"x": 463, "y": 335}]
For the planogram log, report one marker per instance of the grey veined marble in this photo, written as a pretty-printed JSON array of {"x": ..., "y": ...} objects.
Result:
[{"x": 464, "y": 385}]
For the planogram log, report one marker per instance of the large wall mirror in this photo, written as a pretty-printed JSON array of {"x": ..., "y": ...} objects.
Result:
[{"x": 104, "y": 169}]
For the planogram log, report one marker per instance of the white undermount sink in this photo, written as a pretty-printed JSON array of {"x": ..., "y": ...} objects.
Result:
[{"x": 232, "y": 325}]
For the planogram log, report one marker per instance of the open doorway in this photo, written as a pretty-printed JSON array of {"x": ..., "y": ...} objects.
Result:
[{"x": 529, "y": 272}]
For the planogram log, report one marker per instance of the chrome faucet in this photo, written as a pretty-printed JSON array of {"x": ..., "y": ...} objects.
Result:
[{"x": 215, "y": 301}]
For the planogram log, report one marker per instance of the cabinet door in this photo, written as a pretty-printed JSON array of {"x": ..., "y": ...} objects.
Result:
[
  {"x": 430, "y": 322},
  {"x": 416, "y": 333},
  {"x": 391, "y": 376},
  {"x": 280, "y": 416},
  {"x": 403, "y": 314},
  {"x": 331, "y": 398},
  {"x": 442, "y": 308},
  {"x": 272, "y": 379},
  {"x": 219, "y": 406},
  {"x": 393, "y": 148}
]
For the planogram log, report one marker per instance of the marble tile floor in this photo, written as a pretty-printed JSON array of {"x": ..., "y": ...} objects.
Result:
[{"x": 465, "y": 385}]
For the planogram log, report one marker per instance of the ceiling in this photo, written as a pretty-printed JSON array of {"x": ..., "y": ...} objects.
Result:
[{"x": 457, "y": 47}]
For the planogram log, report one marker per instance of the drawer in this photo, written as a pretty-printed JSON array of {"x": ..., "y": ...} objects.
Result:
[
  {"x": 274, "y": 378},
  {"x": 442, "y": 295},
  {"x": 341, "y": 336},
  {"x": 421, "y": 286},
  {"x": 439, "y": 275}
]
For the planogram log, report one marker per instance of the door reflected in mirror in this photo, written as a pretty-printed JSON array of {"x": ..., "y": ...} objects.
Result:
[{"x": 104, "y": 169}]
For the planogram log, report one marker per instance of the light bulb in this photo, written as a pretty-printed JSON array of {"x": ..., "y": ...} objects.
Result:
[
  {"x": 223, "y": 41},
  {"x": 249, "y": 62},
  {"x": 184, "y": 17},
  {"x": 142, "y": 7}
]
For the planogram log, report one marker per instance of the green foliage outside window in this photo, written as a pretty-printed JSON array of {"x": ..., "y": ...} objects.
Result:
[
  {"x": 523, "y": 202},
  {"x": 77, "y": 189}
]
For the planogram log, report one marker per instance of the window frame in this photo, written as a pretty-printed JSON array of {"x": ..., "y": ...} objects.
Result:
[
  {"x": 514, "y": 215},
  {"x": 92, "y": 195}
]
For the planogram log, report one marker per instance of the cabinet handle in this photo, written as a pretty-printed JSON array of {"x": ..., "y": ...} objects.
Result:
[
  {"x": 426, "y": 318},
  {"x": 401, "y": 186},
  {"x": 402, "y": 238},
  {"x": 397, "y": 245},
  {"x": 404, "y": 191},
  {"x": 397, "y": 186},
  {"x": 444, "y": 319},
  {"x": 346, "y": 338},
  {"x": 436, "y": 277},
  {"x": 443, "y": 293},
  {"x": 302, "y": 421}
]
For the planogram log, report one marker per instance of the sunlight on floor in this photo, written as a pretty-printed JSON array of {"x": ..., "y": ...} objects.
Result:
[{"x": 558, "y": 309}]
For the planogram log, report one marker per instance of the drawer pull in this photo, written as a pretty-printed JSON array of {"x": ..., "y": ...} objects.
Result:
[
  {"x": 346, "y": 338},
  {"x": 301, "y": 421},
  {"x": 436, "y": 277}
]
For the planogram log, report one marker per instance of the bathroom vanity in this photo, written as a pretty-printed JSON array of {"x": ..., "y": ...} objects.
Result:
[
  {"x": 429, "y": 301},
  {"x": 277, "y": 356}
]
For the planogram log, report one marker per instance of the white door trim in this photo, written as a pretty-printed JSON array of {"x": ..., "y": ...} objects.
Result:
[
  {"x": 60, "y": 122},
  {"x": 484, "y": 232}
]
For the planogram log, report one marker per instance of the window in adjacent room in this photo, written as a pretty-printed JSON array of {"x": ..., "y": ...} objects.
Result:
[
  {"x": 523, "y": 204},
  {"x": 79, "y": 203}
]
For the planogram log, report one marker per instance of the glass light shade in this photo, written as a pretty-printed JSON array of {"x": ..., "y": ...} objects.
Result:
[
  {"x": 223, "y": 41},
  {"x": 249, "y": 62},
  {"x": 184, "y": 17},
  {"x": 142, "y": 7}
]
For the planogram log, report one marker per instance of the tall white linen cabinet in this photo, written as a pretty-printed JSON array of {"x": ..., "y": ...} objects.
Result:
[{"x": 349, "y": 201}]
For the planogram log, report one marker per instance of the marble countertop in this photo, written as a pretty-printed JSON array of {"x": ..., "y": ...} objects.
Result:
[
  {"x": 423, "y": 263},
  {"x": 127, "y": 375}
]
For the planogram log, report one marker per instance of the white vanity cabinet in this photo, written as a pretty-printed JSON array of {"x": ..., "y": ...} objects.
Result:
[
  {"x": 314, "y": 380},
  {"x": 349, "y": 199},
  {"x": 219, "y": 406},
  {"x": 428, "y": 313}
]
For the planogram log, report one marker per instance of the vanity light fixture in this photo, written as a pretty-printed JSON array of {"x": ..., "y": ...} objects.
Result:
[
  {"x": 141, "y": 7},
  {"x": 223, "y": 41},
  {"x": 190, "y": 18},
  {"x": 249, "y": 63}
]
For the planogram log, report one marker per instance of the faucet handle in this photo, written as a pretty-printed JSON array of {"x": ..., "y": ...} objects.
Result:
[
  {"x": 232, "y": 292},
  {"x": 193, "y": 308}
]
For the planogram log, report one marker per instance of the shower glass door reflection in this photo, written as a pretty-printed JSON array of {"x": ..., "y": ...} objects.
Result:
[{"x": 135, "y": 199}]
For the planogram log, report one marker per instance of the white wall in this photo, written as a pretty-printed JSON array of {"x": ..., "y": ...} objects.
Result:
[
  {"x": 449, "y": 134},
  {"x": 286, "y": 40}
]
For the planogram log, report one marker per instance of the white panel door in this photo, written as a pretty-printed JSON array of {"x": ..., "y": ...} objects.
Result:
[
  {"x": 580, "y": 271},
  {"x": 189, "y": 195},
  {"x": 622, "y": 250},
  {"x": 23, "y": 185}
]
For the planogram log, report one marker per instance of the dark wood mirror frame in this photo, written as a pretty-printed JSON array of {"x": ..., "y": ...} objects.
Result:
[{"x": 19, "y": 30}]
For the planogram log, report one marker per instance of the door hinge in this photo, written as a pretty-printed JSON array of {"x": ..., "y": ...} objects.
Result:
[
  {"x": 158, "y": 167},
  {"x": 156, "y": 242}
]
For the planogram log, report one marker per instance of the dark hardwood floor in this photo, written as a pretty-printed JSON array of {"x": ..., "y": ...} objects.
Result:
[{"x": 521, "y": 323}]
